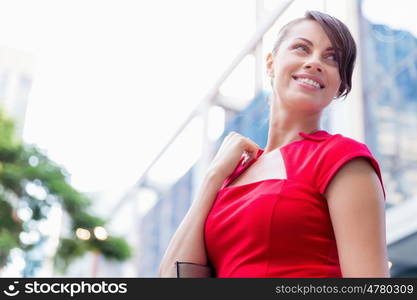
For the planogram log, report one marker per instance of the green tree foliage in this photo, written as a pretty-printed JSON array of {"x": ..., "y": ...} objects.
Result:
[{"x": 23, "y": 169}]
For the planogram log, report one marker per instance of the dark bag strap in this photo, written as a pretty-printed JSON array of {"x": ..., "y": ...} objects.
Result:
[{"x": 193, "y": 270}]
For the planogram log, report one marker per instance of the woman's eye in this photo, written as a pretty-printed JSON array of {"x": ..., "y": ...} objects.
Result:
[
  {"x": 302, "y": 47},
  {"x": 331, "y": 57}
]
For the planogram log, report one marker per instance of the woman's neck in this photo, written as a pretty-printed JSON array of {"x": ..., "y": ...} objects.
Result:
[{"x": 284, "y": 127}]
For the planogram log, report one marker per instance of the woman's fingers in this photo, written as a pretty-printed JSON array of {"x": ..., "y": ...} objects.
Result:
[
  {"x": 251, "y": 148},
  {"x": 246, "y": 144},
  {"x": 230, "y": 152}
]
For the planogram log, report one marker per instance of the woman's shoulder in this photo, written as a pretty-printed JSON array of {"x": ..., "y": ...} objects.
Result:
[
  {"x": 337, "y": 151},
  {"x": 343, "y": 144},
  {"x": 327, "y": 139}
]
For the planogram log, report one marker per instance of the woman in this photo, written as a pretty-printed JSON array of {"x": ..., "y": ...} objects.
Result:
[{"x": 311, "y": 204}]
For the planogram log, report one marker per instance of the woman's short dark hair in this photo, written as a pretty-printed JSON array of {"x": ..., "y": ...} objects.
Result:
[{"x": 340, "y": 38}]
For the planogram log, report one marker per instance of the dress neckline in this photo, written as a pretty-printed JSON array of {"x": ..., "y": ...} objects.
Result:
[{"x": 316, "y": 135}]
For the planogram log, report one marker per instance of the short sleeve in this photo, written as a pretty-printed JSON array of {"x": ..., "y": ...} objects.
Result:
[{"x": 339, "y": 152}]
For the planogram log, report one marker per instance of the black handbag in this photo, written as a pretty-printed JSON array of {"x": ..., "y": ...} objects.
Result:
[{"x": 193, "y": 270}]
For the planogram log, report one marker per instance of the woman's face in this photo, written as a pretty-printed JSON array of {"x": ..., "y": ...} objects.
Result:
[{"x": 304, "y": 70}]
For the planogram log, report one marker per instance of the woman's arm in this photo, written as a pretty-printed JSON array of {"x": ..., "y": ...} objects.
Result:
[
  {"x": 187, "y": 244},
  {"x": 356, "y": 205}
]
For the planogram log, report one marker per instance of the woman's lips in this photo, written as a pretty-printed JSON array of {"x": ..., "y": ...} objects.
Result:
[
  {"x": 306, "y": 85},
  {"x": 309, "y": 77}
]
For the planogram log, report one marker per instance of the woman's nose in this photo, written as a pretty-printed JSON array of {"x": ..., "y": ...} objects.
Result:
[{"x": 314, "y": 64}]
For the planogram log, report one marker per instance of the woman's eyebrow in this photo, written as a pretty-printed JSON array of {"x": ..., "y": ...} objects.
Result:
[
  {"x": 305, "y": 40},
  {"x": 311, "y": 43}
]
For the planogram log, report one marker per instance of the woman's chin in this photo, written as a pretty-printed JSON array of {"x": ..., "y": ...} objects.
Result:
[
  {"x": 305, "y": 103},
  {"x": 295, "y": 99}
]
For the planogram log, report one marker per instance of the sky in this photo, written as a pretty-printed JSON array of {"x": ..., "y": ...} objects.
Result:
[
  {"x": 114, "y": 79},
  {"x": 398, "y": 14}
]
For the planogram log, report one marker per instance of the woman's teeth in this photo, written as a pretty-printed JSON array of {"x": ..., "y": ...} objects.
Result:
[{"x": 309, "y": 81}]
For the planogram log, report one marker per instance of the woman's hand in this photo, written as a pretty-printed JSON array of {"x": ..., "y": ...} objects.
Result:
[{"x": 230, "y": 152}]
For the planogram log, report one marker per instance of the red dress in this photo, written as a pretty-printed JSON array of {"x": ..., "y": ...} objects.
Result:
[{"x": 282, "y": 227}]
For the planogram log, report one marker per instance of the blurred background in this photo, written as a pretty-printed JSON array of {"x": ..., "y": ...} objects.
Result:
[{"x": 112, "y": 110}]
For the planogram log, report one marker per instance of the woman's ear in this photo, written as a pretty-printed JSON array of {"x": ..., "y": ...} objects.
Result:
[{"x": 270, "y": 65}]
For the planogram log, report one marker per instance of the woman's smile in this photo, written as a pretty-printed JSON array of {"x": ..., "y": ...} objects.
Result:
[
  {"x": 309, "y": 82},
  {"x": 307, "y": 85}
]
